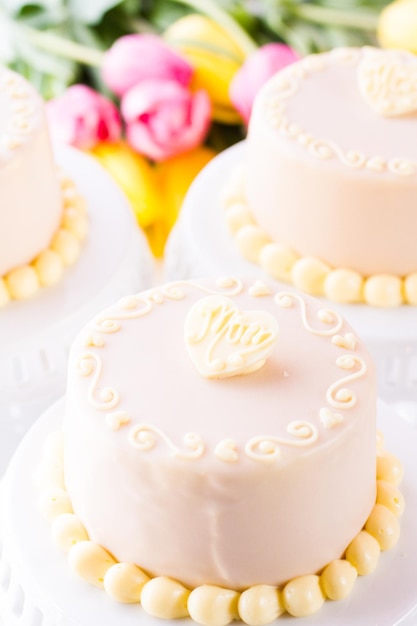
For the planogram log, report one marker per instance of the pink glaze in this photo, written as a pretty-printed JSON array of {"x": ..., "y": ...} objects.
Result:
[
  {"x": 348, "y": 216},
  {"x": 235, "y": 522},
  {"x": 30, "y": 205}
]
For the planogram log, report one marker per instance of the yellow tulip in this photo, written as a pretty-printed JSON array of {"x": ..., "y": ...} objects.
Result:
[
  {"x": 136, "y": 177},
  {"x": 215, "y": 57},
  {"x": 397, "y": 26},
  {"x": 156, "y": 193},
  {"x": 175, "y": 177}
]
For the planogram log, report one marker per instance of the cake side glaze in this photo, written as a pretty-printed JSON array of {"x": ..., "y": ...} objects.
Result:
[
  {"x": 195, "y": 465},
  {"x": 31, "y": 206},
  {"x": 328, "y": 190}
]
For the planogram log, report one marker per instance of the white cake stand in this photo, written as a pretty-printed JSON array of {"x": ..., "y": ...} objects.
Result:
[
  {"x": 201, "y": 245},
  {"x": 38, "y": 589},
  {"x": 35, "y": 335}
]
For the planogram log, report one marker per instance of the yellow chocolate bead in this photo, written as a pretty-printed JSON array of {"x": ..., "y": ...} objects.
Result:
[
  {"x": 54, "y": 502},
  {"x": 4, "y": 293},
  {"x": 66, "y": 246},
  {"x": 388, "y": 495},
  {"x": 213, "y": 606},
  {"x": 90, "y": 561},
  {"x": 383, "y": 525},
  {"x": 165, "y": 598},
  {"x": 75, "y": 222},
  {"x": 389, "y": 468},
  {"x": 250, "y": 240},
  {"x": 48, "y": 266},
  {"x": 363, "y": 553},
  {"x": 337, "y": 579},
  {"x": 66, "y": 530},
  {"x": 237, "y": 216},
  {"x": 383, "y": 290},
  {"x": 309, "y": 275},
  {"x": 278, "y": 261},
  {"x": 260, "y": 605},
  {"x": 303, "y": 596},
  {"x": 124, "y": 582},
  {"x": 343, "y": 286},
  {"x": 22, "y": 283},
  {"x": 410, "y": 288}
]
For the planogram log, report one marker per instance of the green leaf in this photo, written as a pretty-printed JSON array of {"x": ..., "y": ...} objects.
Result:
[{"x": 16, "y": 7}]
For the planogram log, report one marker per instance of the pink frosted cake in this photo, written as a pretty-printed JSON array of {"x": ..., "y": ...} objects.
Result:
[
  {"x": 42, "y": 217},
  {"x": 220, "y": 454},
  {"x": 328, "y": 197}
]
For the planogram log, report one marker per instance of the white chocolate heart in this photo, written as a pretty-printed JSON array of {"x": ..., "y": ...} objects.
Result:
[
  {"x": 388, "y": 82},
  {"x": 329, "y": 419},
  {"x": 347, "y": 341},
  {"x": 223, "y": 341}
]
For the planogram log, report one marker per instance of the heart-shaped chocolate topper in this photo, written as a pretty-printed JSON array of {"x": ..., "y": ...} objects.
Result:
[
  {"x": 223, "y": 341},
  {"x": 388, "y": 82}
]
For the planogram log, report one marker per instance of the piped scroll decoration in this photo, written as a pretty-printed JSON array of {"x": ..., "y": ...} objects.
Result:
[
  {"x": 286, "y": 299},
  {"x": 90, "y": 364},
  {"x": 267, "y": 448},
  {"x": 341, "y": 397},
  {"x": 144, "y": 437}
]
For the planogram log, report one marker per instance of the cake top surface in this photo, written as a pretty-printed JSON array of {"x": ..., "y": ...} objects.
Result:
[
  {"x": 230, "y": 368},
  {"x": 21, "y": 111},
  {"x": 356, "y": 106}
]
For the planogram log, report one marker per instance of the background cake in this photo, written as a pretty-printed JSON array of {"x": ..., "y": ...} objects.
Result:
[
  {"x": 43, "y": 218},
  {"x": 330, "y": 177}
]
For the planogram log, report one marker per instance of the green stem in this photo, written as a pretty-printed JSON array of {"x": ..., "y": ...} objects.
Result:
[
  {"x": 212, "y": 10},
  {"x": 62, "y": 47},
  {"x": 360, "y": 20}
]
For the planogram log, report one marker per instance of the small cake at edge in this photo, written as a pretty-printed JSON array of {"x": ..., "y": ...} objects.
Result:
[
  {"x": 220, "y": 455},
  {"x": 330, "y": 177},
  {"x": 42, "y": 217}
]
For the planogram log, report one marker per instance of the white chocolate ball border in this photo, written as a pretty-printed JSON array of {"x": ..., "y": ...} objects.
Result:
[
  {"x": 210, "y": 605},
  {"x": 47, "y": 268},
  {"x": 309, "y": 274}
]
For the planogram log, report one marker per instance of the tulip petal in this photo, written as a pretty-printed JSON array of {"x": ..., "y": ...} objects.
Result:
[{"x": 135, "y": 58}]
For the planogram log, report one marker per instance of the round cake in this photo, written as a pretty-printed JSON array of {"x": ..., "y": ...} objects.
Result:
[
  {"x": 219, "y": 443},
  {"x": 327, "y": 196},
  {"x": 42, "y": 217}
]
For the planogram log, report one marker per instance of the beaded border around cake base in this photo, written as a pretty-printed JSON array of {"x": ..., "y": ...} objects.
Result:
[
  {"x": 307, "y": 273},
  {"x": 47, "y": 268},
  {"x": 209, "y": 605}
]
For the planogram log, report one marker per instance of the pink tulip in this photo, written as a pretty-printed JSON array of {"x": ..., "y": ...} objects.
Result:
[
  {"x": 256, "y": 70},
  {"x": 164, "y": 119},
  {"x": 135, "y": 58},
  {"x": 82, "y": 117}
]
